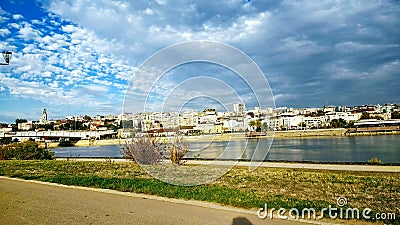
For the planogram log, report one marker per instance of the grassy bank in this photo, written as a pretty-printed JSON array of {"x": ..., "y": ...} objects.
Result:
[{"x": 279, "y": 187}]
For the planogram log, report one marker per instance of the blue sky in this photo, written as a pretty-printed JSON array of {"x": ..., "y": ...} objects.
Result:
[{"x": 78, "y": 56}]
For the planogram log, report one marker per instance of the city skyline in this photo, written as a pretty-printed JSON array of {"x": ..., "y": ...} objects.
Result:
[
  {"x": 233, "y": 109},
  {"x": 78, "y": 57}
]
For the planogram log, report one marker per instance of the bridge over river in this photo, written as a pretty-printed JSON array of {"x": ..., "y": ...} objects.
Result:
[{"x": 23, "y": 135}]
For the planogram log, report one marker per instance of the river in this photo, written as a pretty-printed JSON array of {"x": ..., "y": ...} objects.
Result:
[{"x": 322, "y": 149}]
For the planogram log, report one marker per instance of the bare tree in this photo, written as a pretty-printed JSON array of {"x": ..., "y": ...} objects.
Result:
[
  {"x": 149, "y": 150},
  {"x": 178, "y": 149},
  {"x": 144, "y": 150}
]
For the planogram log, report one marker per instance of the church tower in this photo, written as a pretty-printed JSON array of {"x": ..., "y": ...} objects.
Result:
[{"x": 44, "y": 116}]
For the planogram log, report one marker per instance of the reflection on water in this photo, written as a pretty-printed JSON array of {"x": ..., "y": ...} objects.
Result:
[{"x": 340, "y": 149}]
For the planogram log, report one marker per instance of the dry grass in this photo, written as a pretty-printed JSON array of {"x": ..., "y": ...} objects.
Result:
[
  {"x": 379, "y": 191},
  {"x": 283, "y": 187}
]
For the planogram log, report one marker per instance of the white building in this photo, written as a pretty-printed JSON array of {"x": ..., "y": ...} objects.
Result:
[
  {"x": 25, "y": 126},
  {"x": 314, "y": 121},
  {"x": 5, "y": 129},
  {"x": 110, "y": 117},
  {"x": 275, "y": 122},
  {"x": 239, "y": 109},
  {"x": 291, "y": 121},
  {"x": 209, "y": 117},
  {"x": 308, "y": 111},
  {"x": 328, "y": 109},
  {"x": 189, "y": 119},
  {"x": 347, "y": 116},
  {"x": 170, "y": 120},
  {"x": 234, "y": 125}
]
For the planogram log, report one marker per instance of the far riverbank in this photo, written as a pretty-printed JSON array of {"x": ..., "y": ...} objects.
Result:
[
  {"x": 291, "y": 134},
  {"x": 228, "y": 137}
]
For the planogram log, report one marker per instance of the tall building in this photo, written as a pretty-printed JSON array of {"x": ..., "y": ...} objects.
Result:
[
  {"x": 44, "y": 116},
  {"x": 239, "y": 109}
]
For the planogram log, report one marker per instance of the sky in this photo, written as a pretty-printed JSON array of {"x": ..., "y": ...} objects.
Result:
[{"x": 80, "y": 57}]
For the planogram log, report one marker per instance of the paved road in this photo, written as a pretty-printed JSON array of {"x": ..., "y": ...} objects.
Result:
[{"x": 24, "y": 202}]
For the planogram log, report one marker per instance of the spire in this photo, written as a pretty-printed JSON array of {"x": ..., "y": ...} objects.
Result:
[{"x": 44, "y": 115}]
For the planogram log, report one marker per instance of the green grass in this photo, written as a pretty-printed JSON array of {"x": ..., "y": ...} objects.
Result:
[{"x": 278, "y": 187}]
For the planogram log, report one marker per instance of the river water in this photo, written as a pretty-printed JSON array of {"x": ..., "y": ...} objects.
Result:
[{"x": 325, "y": 149}]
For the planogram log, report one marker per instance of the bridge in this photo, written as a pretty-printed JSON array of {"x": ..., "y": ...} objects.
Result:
[{"x": 22, "y": 135}]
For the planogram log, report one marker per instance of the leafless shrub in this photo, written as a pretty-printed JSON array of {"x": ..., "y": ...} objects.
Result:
[
  {"x": 144, "y": 150},
  {"x": 108, "y": 160},
  {"x": 177, "y": 150},
  {"x": 375, "y": 161}
]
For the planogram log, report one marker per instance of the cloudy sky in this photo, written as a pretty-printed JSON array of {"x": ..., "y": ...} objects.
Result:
[{"x": 79, "y": 56}]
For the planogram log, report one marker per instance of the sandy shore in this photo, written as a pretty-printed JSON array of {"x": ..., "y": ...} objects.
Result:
[
  {"x": 228, "y": 137},
  {"x": 49, "y": 145}
]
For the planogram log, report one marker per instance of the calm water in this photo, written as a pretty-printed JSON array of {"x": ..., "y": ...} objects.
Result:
[{"x": 340, "y": 149}]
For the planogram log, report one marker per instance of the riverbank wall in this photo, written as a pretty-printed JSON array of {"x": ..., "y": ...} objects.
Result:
[
  {"x": 100, "y": 142},
  {"x": 49, "y": 144},
  {"x": 310, "y": 133},
  {"x": 226, "y": 137},
  {"x": 373, "y": 133}
]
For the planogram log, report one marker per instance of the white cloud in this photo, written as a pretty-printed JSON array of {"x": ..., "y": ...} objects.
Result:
[
  {"x": 4, "y": 32},
  {"x": 340, "y": 70},
  {"x": 356, "y": 47},
  {"x": 17, "y": 16},
  {"x": 37, "y": 22},
  {"x": 388, "y": 70},
  {"x": 68, "y": 28},
  {"x": 27, "y": 32},
  {"x": 148, "y": 11},
  {"x": 293, "y": 47},
  {"x": 96, "y": 89},
  {"x": 61, "y": 68}
]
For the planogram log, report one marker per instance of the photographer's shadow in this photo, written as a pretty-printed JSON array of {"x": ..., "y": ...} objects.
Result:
[{"x": 241, "y": 221}]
